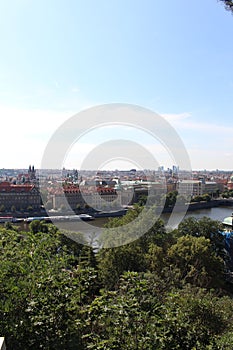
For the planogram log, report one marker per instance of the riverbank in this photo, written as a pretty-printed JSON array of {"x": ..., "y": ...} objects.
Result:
[
  {"x": 200, "y": 205},
  {"x": 190, "y": 207}
]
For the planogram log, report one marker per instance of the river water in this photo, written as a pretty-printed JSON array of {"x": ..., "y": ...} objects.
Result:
[
  {"x": 91, "y": 230},
  {"x": 217, "y": 213},
  {"x": 95, "y": 227}
]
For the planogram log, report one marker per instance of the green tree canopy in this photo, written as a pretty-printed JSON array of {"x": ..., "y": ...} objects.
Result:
[
  {"x": 42, "y": 290},
  {"x": 197, "y": 262}
]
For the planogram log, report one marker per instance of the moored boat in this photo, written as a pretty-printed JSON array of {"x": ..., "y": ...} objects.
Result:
[
  {"x": 57, "y": 218},
  {"x": 6, "y": 219}
]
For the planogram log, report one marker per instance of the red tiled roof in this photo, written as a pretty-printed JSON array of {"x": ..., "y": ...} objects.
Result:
[
  {"x": 6, "y": 186},
  {"x": 69, "y": 189}
]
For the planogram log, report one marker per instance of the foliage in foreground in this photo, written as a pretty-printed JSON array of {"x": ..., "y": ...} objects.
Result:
[{"x": 165, "y": 290}]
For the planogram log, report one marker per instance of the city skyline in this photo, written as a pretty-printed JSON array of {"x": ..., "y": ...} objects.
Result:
[{"x": 60, "y": 58}]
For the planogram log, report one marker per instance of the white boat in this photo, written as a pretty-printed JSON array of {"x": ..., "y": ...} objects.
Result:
[
  {"x": 86, "y": 217},
  {"x": 80, "y": 217},
  {"x": 6, "y": 218}
]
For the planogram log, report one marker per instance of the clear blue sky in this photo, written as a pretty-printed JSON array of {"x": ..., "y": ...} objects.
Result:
[{"x": 59, "y": 57}]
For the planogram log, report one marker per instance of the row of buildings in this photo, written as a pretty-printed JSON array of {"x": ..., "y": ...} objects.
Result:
[
  {"x": 199, "y": 187},
  {"x": 21, "y": 193},
  {"x": 24, "y": 197},
  {"x": 117, "y": 194}
]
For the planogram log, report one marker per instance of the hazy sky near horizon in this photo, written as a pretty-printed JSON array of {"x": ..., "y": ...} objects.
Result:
[{"x": 61, "y": 57}]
